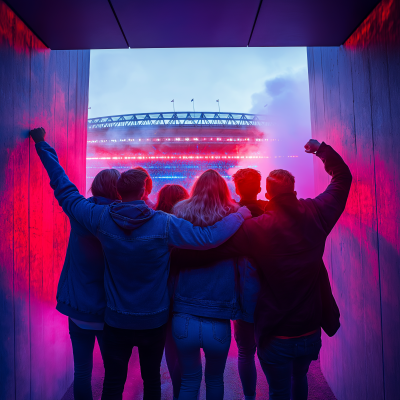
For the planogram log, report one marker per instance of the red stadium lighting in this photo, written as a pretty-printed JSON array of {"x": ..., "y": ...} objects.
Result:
[{"x": 177, "y": 149}]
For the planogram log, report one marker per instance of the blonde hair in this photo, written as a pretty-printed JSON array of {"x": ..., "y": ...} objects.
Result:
[{"x": 209, "y": 202}]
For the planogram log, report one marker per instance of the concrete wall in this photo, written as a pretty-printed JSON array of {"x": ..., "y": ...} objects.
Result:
[
  {"x": 355, "y": 107},
  {"x": 38, "y": 87}
]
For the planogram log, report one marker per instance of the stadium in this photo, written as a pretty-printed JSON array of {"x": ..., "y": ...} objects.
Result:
[{"x": 176, "y": 147}]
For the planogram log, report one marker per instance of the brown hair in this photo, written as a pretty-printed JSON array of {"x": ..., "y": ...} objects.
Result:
[
  {"x": 247, "y": 182},
  {"x": 169, "y": 195},
  {"x": 131, "y": 182},
  {"x": 280, "y": 181},
  {"x": 210, "y": 200},
  {"x": 105, "y": 184},
  {"x": 149, "y": 181}
]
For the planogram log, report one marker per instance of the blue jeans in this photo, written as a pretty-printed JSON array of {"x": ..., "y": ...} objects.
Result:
[
  {"x": 213, "y": 335},
  {"x": 285, "y": 363},
  {"x": 171, "y": 357},
  {"x": 244, "y": 336},
  {"x": 82, "y": 348}
]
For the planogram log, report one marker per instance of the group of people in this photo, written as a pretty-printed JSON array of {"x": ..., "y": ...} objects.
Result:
[{"x": 173, "y": 275}]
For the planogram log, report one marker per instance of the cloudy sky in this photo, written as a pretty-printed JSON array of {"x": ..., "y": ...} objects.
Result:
[
  {"x": 272, "y": 81},
  {"x": 146, "y": 80}
]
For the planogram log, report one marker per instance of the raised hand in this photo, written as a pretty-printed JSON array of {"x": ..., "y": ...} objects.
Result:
[
  {"x": 246, "y": 214},
  {"x": 312, "y": 146},
  {"x": 37, "y": 134}
]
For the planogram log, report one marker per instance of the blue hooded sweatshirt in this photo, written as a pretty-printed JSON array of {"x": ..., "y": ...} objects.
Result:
[
  {"x": 80, "y": 292},
  {"x": 136, "y": 243}
]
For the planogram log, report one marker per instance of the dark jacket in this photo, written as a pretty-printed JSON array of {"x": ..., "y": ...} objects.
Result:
[
  {"x": 80, "y": 292},
  {"x": 287, "y": 244},
  {"x": 256, "y": 207},
  {"x": 136, "y": 242},
  {"x": 226, "y": 289}
]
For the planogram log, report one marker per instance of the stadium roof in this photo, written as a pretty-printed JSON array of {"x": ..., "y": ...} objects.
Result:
[
  {"x": 102, "y": 24},
  {"x": 175, "y": 119}
]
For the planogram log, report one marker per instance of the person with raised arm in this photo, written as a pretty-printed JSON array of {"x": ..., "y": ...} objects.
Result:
[
  {"x": 136, "y": 243},
  {"x": 80, "y": 293}
]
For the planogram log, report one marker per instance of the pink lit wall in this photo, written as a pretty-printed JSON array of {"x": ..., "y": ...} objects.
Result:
[
  {"x": 38, "y": 87},
  {"x": 355, "y": 107}
]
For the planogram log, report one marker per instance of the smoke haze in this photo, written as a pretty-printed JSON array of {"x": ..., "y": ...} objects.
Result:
[{"x": 285, "y": 101}]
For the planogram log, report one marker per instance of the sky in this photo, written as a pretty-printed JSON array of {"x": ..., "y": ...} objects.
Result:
[
  {"x": 271, "y": 81},
  {"x": 146, "y": 80}
]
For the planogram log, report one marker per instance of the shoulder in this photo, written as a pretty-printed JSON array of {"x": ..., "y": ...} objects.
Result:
[
  {"x": 257, "y": 224},
  {"x": 262, "y": 203},
  {"x": 160, "y": 215},
  {"x": 307, "y": 202}
]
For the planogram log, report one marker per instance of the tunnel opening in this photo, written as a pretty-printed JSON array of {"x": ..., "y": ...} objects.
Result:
[{"x": 353, "y": 88}]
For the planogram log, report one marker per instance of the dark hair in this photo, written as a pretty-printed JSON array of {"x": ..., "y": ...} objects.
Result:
[
  {"x": 247, "y": 182},
  {"x": 131, "y": 182},
  {"x": 149, "y": 182},
  {"x": 169, "y": 195},
  {"x": 280, "y": 181},
  {"x": 105, "y": 184}
]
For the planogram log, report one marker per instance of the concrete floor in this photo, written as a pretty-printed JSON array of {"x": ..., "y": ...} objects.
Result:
[{"x": 318, "y": 387}]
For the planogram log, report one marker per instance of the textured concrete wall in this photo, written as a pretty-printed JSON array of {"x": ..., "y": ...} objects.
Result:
[
  {"x": 355, "y": 107},
  {"x": 38, "y": 87}
]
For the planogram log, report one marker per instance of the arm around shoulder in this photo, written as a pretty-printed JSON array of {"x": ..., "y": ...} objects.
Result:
[
  {"x": 235, "y": 246},
  {"x": 184, "y": 235}
]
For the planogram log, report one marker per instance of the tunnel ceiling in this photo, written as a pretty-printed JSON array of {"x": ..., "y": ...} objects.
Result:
[{"x": 102, "y": 24}]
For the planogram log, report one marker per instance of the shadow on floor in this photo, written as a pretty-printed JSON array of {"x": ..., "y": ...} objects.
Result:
[{"x": 318, "y": 387}]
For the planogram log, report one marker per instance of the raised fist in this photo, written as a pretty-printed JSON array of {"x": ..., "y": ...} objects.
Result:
[
  {"x": 312, "y": 146},
  {"x": 37, "y": 134}
]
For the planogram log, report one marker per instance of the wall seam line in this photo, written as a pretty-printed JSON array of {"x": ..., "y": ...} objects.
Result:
[
  {"x": 29, "y": 220},
  {"x": 357, "y": 184},
  {"x": 255, "y": 21},
  {"x": 13, "y": 275},
  {"x": 377, "y": 230},
  {"x": 119, "y": 24}
]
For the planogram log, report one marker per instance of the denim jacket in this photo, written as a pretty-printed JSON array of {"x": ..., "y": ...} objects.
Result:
[
  {"x": 226, "y": 289},
  {"x": 80, "y": 292},
  {"x": 136, "y": 242}
]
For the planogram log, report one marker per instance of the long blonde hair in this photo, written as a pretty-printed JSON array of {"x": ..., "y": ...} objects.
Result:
[{"x": 209, "y": 202}]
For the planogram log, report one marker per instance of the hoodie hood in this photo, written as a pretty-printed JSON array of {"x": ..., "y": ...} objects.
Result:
[
  {"x": 102, "y": 201},
  {"x": 131, "y": 215}
]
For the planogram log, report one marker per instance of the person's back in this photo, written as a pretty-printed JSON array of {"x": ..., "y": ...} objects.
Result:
[
  {"x": 248, "y": 185},
  {"x": 287, "y": 244},
  {"x": 80, "y": 293},
  {"x": 206, "y": 298},
  {"x": 209, "y": 291}
]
